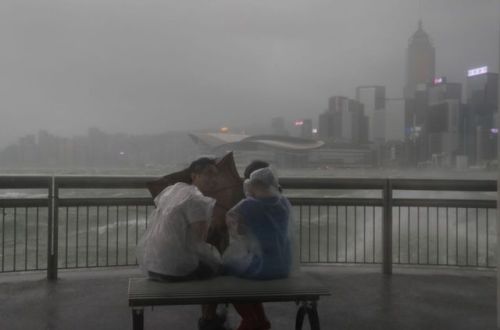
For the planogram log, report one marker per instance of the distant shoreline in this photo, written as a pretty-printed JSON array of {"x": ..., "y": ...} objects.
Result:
[{"x": 480, "y": 174}]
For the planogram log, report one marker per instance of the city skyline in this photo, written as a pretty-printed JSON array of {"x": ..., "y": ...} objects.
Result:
[{"x": 64, "y": 77}]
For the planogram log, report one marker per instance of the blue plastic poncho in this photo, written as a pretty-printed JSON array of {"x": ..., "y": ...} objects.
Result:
[{"x": 259, "y": 227}]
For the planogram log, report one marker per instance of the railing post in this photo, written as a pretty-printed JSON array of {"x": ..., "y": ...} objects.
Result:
[
  {"x": 52, "y": 231},
  {"x": 387, "y": 229}
]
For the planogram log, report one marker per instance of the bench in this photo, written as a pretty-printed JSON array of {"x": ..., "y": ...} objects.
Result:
[{"x": 300, "y": 288}]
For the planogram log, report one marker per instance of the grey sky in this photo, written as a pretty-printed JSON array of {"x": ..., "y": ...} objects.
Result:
[{"x": 156, "y": 65}]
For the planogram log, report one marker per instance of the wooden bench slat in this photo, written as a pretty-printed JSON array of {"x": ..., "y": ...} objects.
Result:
[{"x": 145, "y": 292}]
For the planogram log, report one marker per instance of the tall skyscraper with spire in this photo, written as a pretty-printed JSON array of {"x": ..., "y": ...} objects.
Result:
[
  {"x": 420, "y": 61},
  {"x": 420, "y": 73}
]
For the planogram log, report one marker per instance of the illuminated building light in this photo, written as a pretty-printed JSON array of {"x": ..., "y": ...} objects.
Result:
[
  {"x": 438, "y": 80},
  {"x": 477, "y": 71}
]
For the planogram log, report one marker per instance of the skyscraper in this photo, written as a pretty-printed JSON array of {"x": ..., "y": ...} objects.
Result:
[
  {"x": 344, "y": 121},
  {"x": 420, "y": 74},
  {"x": 373, "y": 99},
  {"x": 443, "y": 121},
  {"x": 420, "y": 61},
  {"x": 482, "y": 102},
  {"x": 278, "y": 126}
]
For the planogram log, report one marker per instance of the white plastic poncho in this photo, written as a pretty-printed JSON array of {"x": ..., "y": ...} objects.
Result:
[{"x": 168, "y": 246}]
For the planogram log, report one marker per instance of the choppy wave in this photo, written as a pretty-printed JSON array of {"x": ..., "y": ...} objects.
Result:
[{"x": 111, "y": 226}]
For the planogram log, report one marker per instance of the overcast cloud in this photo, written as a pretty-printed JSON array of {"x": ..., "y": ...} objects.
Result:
[{"x": 157, "y": 65}]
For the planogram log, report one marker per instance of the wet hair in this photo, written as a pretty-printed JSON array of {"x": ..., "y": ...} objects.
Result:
[
  {"x": 254, "y": 166},
  {"x": 200, "y": 164}
]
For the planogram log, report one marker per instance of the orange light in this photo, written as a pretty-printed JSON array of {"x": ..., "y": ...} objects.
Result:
[{"x": 224, "y": 130}]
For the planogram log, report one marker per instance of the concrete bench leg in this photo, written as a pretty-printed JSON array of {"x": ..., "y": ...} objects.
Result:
[
  {"x": 137, "y": 318},
  {"x": 310, "y": 309}
]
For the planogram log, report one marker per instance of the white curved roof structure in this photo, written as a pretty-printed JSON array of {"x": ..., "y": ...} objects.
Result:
[{"x": 216, "y": 140}]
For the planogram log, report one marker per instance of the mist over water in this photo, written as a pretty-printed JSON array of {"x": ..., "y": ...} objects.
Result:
[{"x": 113, "y": 88}]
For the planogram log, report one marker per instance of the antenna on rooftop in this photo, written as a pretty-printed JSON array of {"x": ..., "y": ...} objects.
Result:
[{"x": 420, "y": 13}]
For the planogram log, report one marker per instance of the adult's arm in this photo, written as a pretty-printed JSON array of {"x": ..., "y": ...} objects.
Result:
[
  {"x": 199, "y": 231},
  {"x": 198, "y": 214},
  {"x": 206, "y": 252}
]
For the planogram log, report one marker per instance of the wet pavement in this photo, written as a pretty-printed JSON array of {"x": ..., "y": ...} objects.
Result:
[{"x": 362, "y": 298}]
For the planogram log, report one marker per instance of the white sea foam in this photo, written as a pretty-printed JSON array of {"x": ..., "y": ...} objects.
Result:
[{"x": 112, "y": 225}]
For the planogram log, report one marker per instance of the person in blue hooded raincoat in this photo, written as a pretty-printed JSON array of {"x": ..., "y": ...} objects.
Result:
[
  {"x": 260, "y": 242},
  {"x": 260, "y": 246}
]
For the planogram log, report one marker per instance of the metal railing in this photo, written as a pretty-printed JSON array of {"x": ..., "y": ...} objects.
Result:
[
  {"x": 339, "y": 229},
  {"x": 73, "y": 222},
  {"x": 99, "y": 231},
  {"x": 25, "y": 226},
  {"x": 429, "y": 230}
]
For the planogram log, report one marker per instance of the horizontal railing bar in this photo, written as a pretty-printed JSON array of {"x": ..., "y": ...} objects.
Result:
[
  {"x": 122, "y": 201},
  {"x": 444, "y": 185},
  {"x": 103, "y": 182},
  {"x": 85, "y": 182},
  {"x": 455, "y": 203},
  {"x": 332, "y": 183},
  {"x": 23, "y": 202},
  {"x": 335, "y": 201},
  {"x": 287, "y": 183},
  {"x": 24, "y": 182}
]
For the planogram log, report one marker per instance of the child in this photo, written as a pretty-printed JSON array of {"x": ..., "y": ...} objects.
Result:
[
  {"x": 259, "y": 240},
  {"x": 259, "y": 229}
]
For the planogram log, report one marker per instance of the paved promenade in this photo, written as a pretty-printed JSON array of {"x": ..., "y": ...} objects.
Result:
[{"x": 363, "y": 298}]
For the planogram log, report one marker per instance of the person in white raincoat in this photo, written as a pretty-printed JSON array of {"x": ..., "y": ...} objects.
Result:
[{"x": 173, "y": 246}]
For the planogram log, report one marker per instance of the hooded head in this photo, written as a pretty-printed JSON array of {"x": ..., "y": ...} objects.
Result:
[{"x": 262, "y": 183}]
